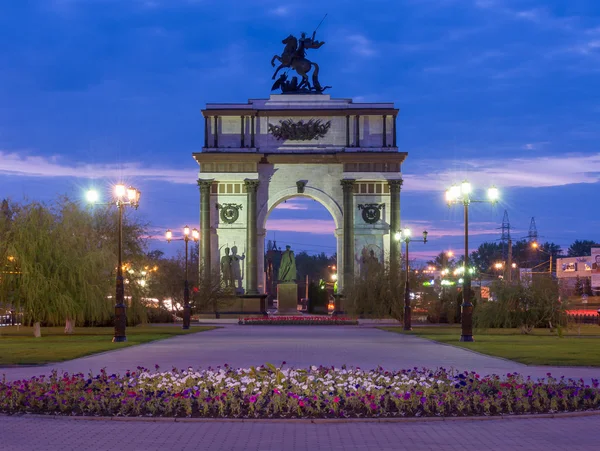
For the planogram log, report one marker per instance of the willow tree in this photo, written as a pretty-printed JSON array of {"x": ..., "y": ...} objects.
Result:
[
  {"x": 64, "y": 259},
  {"x": 36, "y": 289}
]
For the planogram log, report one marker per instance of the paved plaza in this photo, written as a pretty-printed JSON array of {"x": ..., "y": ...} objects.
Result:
[
  {"x": 300, "y": 346},
  {"x": 572, "y": 434}
]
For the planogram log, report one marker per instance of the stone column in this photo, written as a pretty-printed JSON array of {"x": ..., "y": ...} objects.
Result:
[
  {"x": 347, "y": 131},
  {"x": 384, "y": 130},
  {"x": 348, "y": 226},
  {"x": 395, "y": 186},
  {"x": 394, "y": 132},
  {"x": 205, "y": 131},
  {"x": 205, "y": 257},
  {"x": 216, "y": 132},
  {"x": 357, "y": 132},
  {"x": 252, "y": 131},
  {"x": 251, "y": 237},
  {"x": 242, "y": 133}
]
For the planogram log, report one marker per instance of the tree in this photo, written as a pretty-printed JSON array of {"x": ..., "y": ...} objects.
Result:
[
  {"x": 64, "y": 262},
  {"x": 313, "y": 266},
  {"x": 442, "y": 261},
  {"x": 587, "y": 287},
  {"x": 578, "y": 286},
  {"x": 486, "y": 255},
  {"x": 581, "y": 248}
]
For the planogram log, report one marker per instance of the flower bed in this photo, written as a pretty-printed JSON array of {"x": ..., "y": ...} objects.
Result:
[
  {"x": 298, "y": 320},
  {"x": 270, "y": 392}
]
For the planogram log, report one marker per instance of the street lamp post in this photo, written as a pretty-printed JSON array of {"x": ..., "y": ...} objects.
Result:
[
  {"x": 405, "y": 235},
  {"x": 187, "y": 309},
  {"x": 462, "y": 194},
  {"x": 536, "y": 246},
  {"x": 122, "y": 197}
]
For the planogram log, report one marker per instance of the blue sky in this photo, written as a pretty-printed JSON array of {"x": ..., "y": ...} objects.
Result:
[{"x": 502, "y": 92}]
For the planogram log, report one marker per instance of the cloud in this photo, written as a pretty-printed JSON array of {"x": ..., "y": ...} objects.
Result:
[
  {"x": 312, "y": 226},
  {"x": 291, "y": 206},
  {"x": 362, "y": 45},
  {"x": 280, "y": 11},
  {"x": 520, "y": 172},
  {"x": 515, "y": 172},
  {"x": 13, "y": 164}
]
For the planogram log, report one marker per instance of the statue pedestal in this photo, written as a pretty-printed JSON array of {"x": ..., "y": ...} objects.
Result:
[{"x": 287, "y": 298}]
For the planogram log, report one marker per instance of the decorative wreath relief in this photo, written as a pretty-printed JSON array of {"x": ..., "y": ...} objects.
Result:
[
  {"x": 229, "y": 212},
  {"x": 300, "y": 131},
  {"x": 371, "y": 213}
]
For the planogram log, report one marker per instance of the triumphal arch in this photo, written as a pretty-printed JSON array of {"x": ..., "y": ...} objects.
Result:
[{"x": 300, "y": 142}]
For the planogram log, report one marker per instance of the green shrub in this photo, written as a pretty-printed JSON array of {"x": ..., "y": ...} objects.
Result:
[{"x": 522, "y": 306}]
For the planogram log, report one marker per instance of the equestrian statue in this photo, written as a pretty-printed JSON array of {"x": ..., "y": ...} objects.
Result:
[{"x": 294, "y": 57}]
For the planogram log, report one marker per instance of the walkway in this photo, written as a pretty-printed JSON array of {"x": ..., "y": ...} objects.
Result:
[
  {"x": 299, "y": 346},
  {"x": 573, "y": 434}
]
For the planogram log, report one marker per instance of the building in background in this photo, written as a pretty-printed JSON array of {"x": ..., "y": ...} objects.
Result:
[{"x": 586, "y": 269}]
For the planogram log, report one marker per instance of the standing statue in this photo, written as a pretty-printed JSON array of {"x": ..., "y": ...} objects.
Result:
[
  {"x": 287, "y": 266},
  {"x": 226, "y": 270},
  {"x": 236, "y": 267},
  {"x": 294, "y": 57}
]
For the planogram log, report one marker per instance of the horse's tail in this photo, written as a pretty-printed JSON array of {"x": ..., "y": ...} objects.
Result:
[
  {"x": 316, "y": 71},
  {"x": 315, "y": 76}
]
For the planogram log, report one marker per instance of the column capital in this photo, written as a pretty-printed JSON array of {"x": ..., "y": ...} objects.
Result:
[
  {"x": 348, "y": 185},
  {"x": 395, "y": 183},
  {"x": 251, "y": 185},
  {"x": 205, "y": 184}
]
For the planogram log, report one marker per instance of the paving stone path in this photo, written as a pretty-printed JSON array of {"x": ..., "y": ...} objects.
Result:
[
  {"x": 299, "y": 346},
  {"x": 572, "y": 434}
]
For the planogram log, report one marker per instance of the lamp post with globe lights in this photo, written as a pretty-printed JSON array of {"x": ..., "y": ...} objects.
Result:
[
  {"x": 461, "y": 194},
  {"x": 122, "y": 197},
  {"x": 405, "y": 235},
  {"x": 187, "y": 309}
]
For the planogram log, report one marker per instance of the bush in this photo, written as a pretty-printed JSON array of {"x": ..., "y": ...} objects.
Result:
[
  {"x": 522, "y": 306},
  {"x": 446, "y": 308},
  {"x": 318, "y": 299},
  {"x": 376, "y": 295},
  {"x": 159, "y": 315}
]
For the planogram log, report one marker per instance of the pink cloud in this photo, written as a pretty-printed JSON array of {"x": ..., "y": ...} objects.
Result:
[
  {"x": 291, "y": 206},
  {"x": 313, "y": 226}
]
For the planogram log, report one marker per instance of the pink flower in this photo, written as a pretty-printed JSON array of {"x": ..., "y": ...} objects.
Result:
[
  {"x": 336, "y": 399},
  {"x": 301, "y": 403}
]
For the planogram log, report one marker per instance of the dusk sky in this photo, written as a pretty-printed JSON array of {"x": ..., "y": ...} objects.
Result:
[{"x": 500, "y": 92}]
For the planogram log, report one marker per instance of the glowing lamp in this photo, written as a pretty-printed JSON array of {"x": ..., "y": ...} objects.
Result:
[
  {"x": 92, "y": 196},
  {"x": 493, "y": 194},
  {"x": 120, "y": 190}
]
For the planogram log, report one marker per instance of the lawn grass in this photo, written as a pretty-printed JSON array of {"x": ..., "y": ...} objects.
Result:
[
  {"x": 19, "y": 347},
  {"x": 577, "y": 347}
]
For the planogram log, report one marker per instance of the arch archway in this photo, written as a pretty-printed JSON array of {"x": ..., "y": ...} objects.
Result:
[{"x": 324, "y": 200}]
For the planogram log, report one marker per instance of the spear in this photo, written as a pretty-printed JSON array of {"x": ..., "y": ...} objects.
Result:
[{"x": 320, "y": 23}]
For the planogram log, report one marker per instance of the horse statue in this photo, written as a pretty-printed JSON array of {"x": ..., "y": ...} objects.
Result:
[{"x": 293, "y": 57}]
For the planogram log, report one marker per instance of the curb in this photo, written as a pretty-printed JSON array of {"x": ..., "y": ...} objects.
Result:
[{"x": 587, "y": 413}]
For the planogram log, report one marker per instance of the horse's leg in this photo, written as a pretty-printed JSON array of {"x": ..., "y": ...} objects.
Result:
[
  {"x": 275, "y": 57},
  {"x": 281, "y": 66},
  {"x": 302, "y": 72}
]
